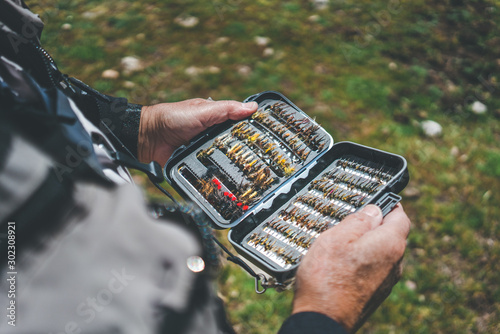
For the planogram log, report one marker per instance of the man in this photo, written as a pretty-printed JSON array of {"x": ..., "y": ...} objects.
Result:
[{"x": 91, "y": 259}]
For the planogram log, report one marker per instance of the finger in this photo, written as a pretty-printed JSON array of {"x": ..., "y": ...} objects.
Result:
[
  {"x": 358, "y": 223},
  {"x": 390, "y": 237},
  {"x": 220, "y": 111},
  {"x": 397, "y": 222}
]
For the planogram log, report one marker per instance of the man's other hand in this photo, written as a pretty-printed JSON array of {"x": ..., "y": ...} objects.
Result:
[
  {"x": 166, "y": 126},
  {"x": 352, "y": 267}
]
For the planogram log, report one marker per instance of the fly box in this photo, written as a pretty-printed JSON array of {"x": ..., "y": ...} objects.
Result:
[{"x": 278, "y": 181}]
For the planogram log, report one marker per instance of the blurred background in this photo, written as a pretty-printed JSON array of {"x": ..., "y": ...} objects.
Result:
[{"x": 417, "y": 78}]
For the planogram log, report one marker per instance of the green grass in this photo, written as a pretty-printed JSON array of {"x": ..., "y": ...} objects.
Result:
[{"x": 336, "y": 65}]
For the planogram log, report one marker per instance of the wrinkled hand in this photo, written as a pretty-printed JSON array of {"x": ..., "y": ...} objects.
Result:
[
  {"x": 352, "y": 268},
  {"x": 166, "y": 126}
]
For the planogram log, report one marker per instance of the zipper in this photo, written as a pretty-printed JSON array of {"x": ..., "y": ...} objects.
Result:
[{"x": 62, "y": 82}]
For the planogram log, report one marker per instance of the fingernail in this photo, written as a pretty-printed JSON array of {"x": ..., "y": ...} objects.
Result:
[
  {"x": 372, "y": 211},
  {"x": 250, "y": 105}
]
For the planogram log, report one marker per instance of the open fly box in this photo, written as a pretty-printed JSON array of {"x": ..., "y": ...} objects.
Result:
[{"x": 278, "y": 181}]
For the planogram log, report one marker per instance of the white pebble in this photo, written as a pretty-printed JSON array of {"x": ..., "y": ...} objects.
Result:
[
  {"x": 320, "y": 4},
  {"x": 66, "y": 26},
  {"x": 431, "y": 128},
  {"x": 90, "y": 15},
  {"x": 110, "y": 74},
  {"x": 268, "y": 52},
  {"x": 244, "y": 70},
  {"x": 411, "y": 285},
  {"x": 131, "y": 64},
  {"x": 393, "y": 66},
  {"x": 479, "y": 108},
  {"x": 450, "y": 86},
  {"x": 213, "y": 69},
  {"x": 128, "y": 84},
  {"x": 193, "y": 71},
  {"x": 222, "y": 40},
  {"x": 262, "y": 41},
  {"x": 186, "y": 21},
  {"x": 314, "y": 18}
]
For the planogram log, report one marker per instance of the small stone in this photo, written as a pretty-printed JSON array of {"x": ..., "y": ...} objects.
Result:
[
  {"x": 320, "y": 69},
  {"x": 314, "y": 18},
  {"x": 420, "y": 251},
  {"x": 268, "y": 52},
  {"x": 411, "y": 192},
  {"x": 490, "y": 242},
  {"x": 320, "y": 4},
  {"x": 222, "y": 40},
  {"x": 193, "y": 71},
  {"x": 487, "y": 195},
  {"x": 90, "y": 15},
  {"x": 450, "y": 86},
  {"x": 411, "y": 285},
  {"x": 186, "y": 21},
  {"x": 463, "y": 158},
  {"x": 110, "y": 74},
  {"x": 131, "y": 64},
  {"x": 244, "y": 70},
  {"x": 128, "y": 84},
  {"x": 369, "y": 38},
  {"x": 422, "y": 114},
  {"x": 455, "y": 151},
  {"x": 322, "y": 109},
  {"x": 213, "y": 69},
  {"x": 66, "y": 26},
  {"x": 140, "y": 36},
  {"x": 446, "y": 238},
  {"x": 431, "y": 128},
  {"x": 262, "y": 41},
  {"x": 393, "y": 66},
  {"x": 478, "y": 108}
]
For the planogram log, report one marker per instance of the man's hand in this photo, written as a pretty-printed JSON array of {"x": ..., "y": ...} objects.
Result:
[
  {"x": 166, "y": 126},
  {"x": 351, "y": 263}
]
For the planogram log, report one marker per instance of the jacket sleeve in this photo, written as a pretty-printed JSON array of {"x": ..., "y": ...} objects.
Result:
[
  {"x": 311, "y": 323},
  {"x": 114, "y": 116}
]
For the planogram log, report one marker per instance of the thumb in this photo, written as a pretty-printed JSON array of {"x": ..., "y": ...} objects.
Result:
[
  {"x": 357, "y": 224},
  {"x": 221, "y": 111}
]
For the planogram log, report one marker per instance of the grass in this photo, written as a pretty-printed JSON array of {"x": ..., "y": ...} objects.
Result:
[{"x": 369, "y": 71}]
